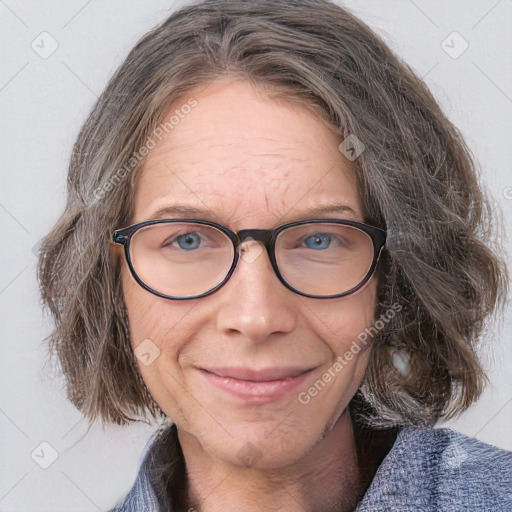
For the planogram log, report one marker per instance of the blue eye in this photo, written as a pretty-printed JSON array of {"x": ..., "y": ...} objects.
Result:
[
  {"x": 320, "y": 241},
  {"x": 189, "y": 241},
  {"x": 178, "y": 238}
]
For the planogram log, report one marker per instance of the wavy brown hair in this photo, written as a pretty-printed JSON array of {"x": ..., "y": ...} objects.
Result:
[{"x": 416, "y": 178}]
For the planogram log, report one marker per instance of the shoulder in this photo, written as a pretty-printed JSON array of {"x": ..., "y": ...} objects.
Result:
[
  {"x": 142, "y": 495},
  {"x": 441, "y": 470}
]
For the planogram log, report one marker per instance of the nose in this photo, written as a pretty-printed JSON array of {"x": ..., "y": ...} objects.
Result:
[{"x": 254, "y": 304}]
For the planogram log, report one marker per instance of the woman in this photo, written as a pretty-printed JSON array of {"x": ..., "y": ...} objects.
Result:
[{"x": 276, "y": 243}]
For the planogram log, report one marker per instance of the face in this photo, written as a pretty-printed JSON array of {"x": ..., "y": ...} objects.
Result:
[{"x": 249, "y": 162}]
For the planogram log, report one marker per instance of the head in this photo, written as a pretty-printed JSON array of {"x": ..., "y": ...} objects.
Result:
[{"x": 254, "y": 125}]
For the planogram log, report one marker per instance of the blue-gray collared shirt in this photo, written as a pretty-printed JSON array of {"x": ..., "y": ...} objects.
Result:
[{"x": 426, "y": 470}]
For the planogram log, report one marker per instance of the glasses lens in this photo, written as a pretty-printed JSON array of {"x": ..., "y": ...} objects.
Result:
[
  {"x": 181, "y": 259},
  {"x": 323, "y": 258}
]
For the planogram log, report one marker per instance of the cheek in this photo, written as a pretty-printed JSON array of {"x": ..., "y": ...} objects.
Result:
[
  {"x": 346, "y": 319},
  {"x": 140, "y": 308},
  {"x": 145, "y": 310},
  {"x": 344, "y": 326},
  {"x": 156, "y": 345},
  {"x": 340, "y": 323},
  {"x": 154, "y": 325}
]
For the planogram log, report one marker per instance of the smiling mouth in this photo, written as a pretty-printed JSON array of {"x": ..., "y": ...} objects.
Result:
[
  {"x": 265, "y": 374},
  {"x": 257, "y": 385}
]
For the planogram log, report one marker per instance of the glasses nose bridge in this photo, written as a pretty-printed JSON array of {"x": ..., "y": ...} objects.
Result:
[{"x": 260, "y": 235}]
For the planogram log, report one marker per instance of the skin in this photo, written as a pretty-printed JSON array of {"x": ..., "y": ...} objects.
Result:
[{"x": 252, "y": 162}]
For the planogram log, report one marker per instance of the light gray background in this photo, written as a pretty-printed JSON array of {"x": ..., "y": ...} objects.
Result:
[{"x": 45, "y": 100}]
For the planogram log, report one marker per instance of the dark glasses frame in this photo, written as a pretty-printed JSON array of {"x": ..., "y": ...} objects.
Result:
[{"x": 266, "y": 236}]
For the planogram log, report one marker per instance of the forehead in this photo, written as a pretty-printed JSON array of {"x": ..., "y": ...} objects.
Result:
[{"x": 245, "y": 158}]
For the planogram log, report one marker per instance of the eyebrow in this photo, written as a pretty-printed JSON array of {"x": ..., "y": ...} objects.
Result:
[{"x": 194, "y": 212}]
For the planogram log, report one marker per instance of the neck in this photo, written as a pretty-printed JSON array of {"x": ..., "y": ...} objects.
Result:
[{"x": 328, "y": 478}]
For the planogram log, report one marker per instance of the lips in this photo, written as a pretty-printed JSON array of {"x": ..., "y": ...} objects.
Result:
[
  {"x": 263, "y": 375},
  {"x": 257, "y": 386}
]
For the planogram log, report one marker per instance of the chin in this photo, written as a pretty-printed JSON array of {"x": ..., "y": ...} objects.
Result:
[{"x": 263, "y": 445}]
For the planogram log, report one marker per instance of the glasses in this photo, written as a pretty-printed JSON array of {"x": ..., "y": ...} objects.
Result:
[{"x": 191, "y": 258}]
